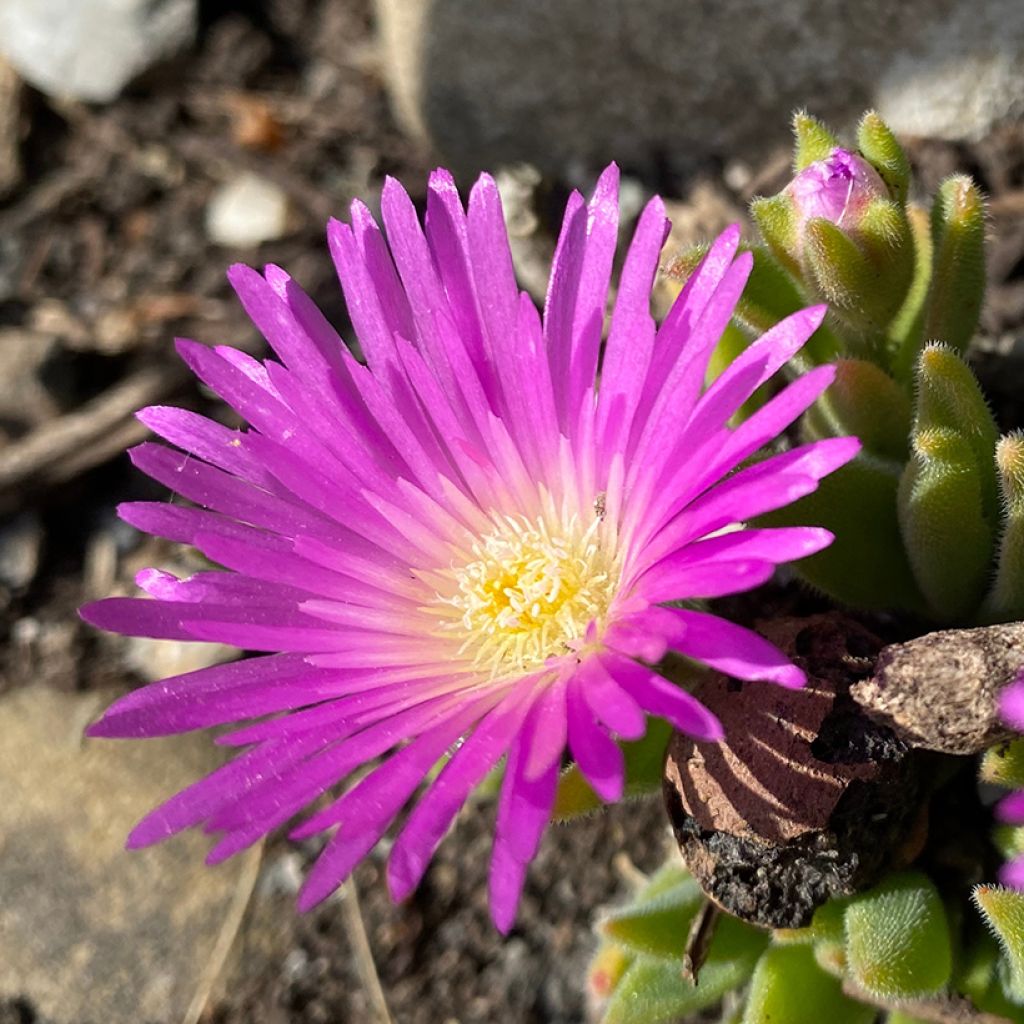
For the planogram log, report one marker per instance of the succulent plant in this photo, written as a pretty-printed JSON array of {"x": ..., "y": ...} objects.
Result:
[{"x": 929, "y": 517}]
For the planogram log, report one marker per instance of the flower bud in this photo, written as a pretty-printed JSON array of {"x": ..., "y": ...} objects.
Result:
[{"x": 838, "y": 189}]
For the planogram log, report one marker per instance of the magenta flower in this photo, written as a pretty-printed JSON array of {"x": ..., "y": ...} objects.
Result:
[
  {"x": 838, "y": 189},
  {"x": 1011, "y": 808},
  {"x": 465, "y": 547}
]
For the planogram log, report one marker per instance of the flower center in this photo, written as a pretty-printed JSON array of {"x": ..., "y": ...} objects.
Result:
[{"x": 530, "y": 590}]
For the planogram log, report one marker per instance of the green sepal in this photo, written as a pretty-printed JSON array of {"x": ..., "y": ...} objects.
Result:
[
  {"x": 864, "y": 293},
  {"x": 788, "y": 987},
  {"x": 776, "y": 219},
  {"x": 1005, "y": 601},
  {"x": 897, "y": 938},
  {"x": 1003, "y": 765},
  {"x": 644, "y": 763},
  {"x": 866, "y": 565},
  {"x": 1003, "y": 911},
  {"x": 948, "y": 540},
  {"x": 658, "y": 925},
  {"x": 654, "y": 991},
  {"x": 905, "y": 334},
  {"x": 949, "y": 397},
  {"x": 866, "y": 402},
  {"x": 813, "y": 141},
  {"x": 884, "y": 231},
  {"x": 958, "y": 263},
  {"x": 879, "y": 147}
]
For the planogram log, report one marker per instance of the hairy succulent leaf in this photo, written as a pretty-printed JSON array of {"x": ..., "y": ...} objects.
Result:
[
  {"x": 879, "y": 147},
  {"x": 1006, "y": 599},
  {"x": 776, "y": 218},
  {"x": 947, "y": 537},
  {"x": 1003, "y": 911},
  {"x": 949, "y": 397},
  {"x": 897, "y": 938},
  {"x": 958, "y": 262},
  {"x": 813, "y": 140}
]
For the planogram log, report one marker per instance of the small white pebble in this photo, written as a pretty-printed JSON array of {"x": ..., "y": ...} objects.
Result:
[{"x": 246, "y": 211}]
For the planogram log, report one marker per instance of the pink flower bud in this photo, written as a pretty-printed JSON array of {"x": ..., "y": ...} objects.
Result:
[{"x": 838, "y": 188}]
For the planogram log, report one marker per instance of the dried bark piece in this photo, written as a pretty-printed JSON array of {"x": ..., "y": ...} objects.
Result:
[
  {"x": 939, "y": 691},
  {"x": 806, "y": 798}
]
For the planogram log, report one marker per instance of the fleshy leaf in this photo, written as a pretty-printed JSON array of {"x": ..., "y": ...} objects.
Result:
[
  {"x": 813, "y": 140},
  {"x": 879, "y": 147},
  {"x": 776, "y": 218},
  {"x": 656, "y": 926},
  {"x": 906, "y": 330},
  {"x": 958, "y": 262},
  {"x": 897, "y": 938},
  {"x": 1005, "y": 601},
  {"x": 826, "y": 925},
  {"x": 861, "y": 290},
  {"x": 788, "y": 987},
  {"x": 949, "y": 397},
  {"x": 948, "y": 540},
  {"x": 644, "y": 761},
  {"x": 654, "y": 990},
  {"x": 1003, "y": 911}
]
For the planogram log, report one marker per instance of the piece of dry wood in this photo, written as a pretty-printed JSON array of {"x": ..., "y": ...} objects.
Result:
[
  {"x": 940, "y": 691},
  {"x": 699, "y": 939}
]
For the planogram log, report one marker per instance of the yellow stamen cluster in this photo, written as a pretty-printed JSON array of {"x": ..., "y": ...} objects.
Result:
[{"x": 529, "y": 590}]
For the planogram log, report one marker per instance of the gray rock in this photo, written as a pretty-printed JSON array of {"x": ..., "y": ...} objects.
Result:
[
  {"x": 89, "y": 931},
  {"x": 654, "y": 82},
  {"x": 91, "y": 49}
]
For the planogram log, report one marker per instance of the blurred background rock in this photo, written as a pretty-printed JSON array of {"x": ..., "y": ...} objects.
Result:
[{"x": 147, "y": 144}]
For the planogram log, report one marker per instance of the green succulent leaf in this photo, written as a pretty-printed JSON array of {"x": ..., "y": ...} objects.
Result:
[
  {"x": 906, "y": 330},
  {"x": 656, "y": 926},
  {"x": 1003, "y": 911},
  {"x": 776, "y": 218},
  {"x": 885, "y": 232},
  {"x": 607, "y": 969},
  {"x": 898, "y": 940},
  {"x": 644, "y": 762},
  {"x": 958, "y": 262},
  {"x": 653, "y": 990},
  {"x": 948, "y": 540},
  {"x": 788, "y": 987},
  {"x": 879, "y": 147},
  {"x": 1005, "y": 602},
  {"x": 949, "y": 397},
  {"x": 813, "y": 140},
  {"x": 865, "y": 292}
]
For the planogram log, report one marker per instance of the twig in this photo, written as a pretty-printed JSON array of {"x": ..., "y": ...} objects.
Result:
[
  {"x": 698, "y": 942},
  {"x": 226, "y": 937},
  {"x": 85, "y": 437},
  {"x": 363, "y": 954},
  {"x": 945, "y": 1010}
]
